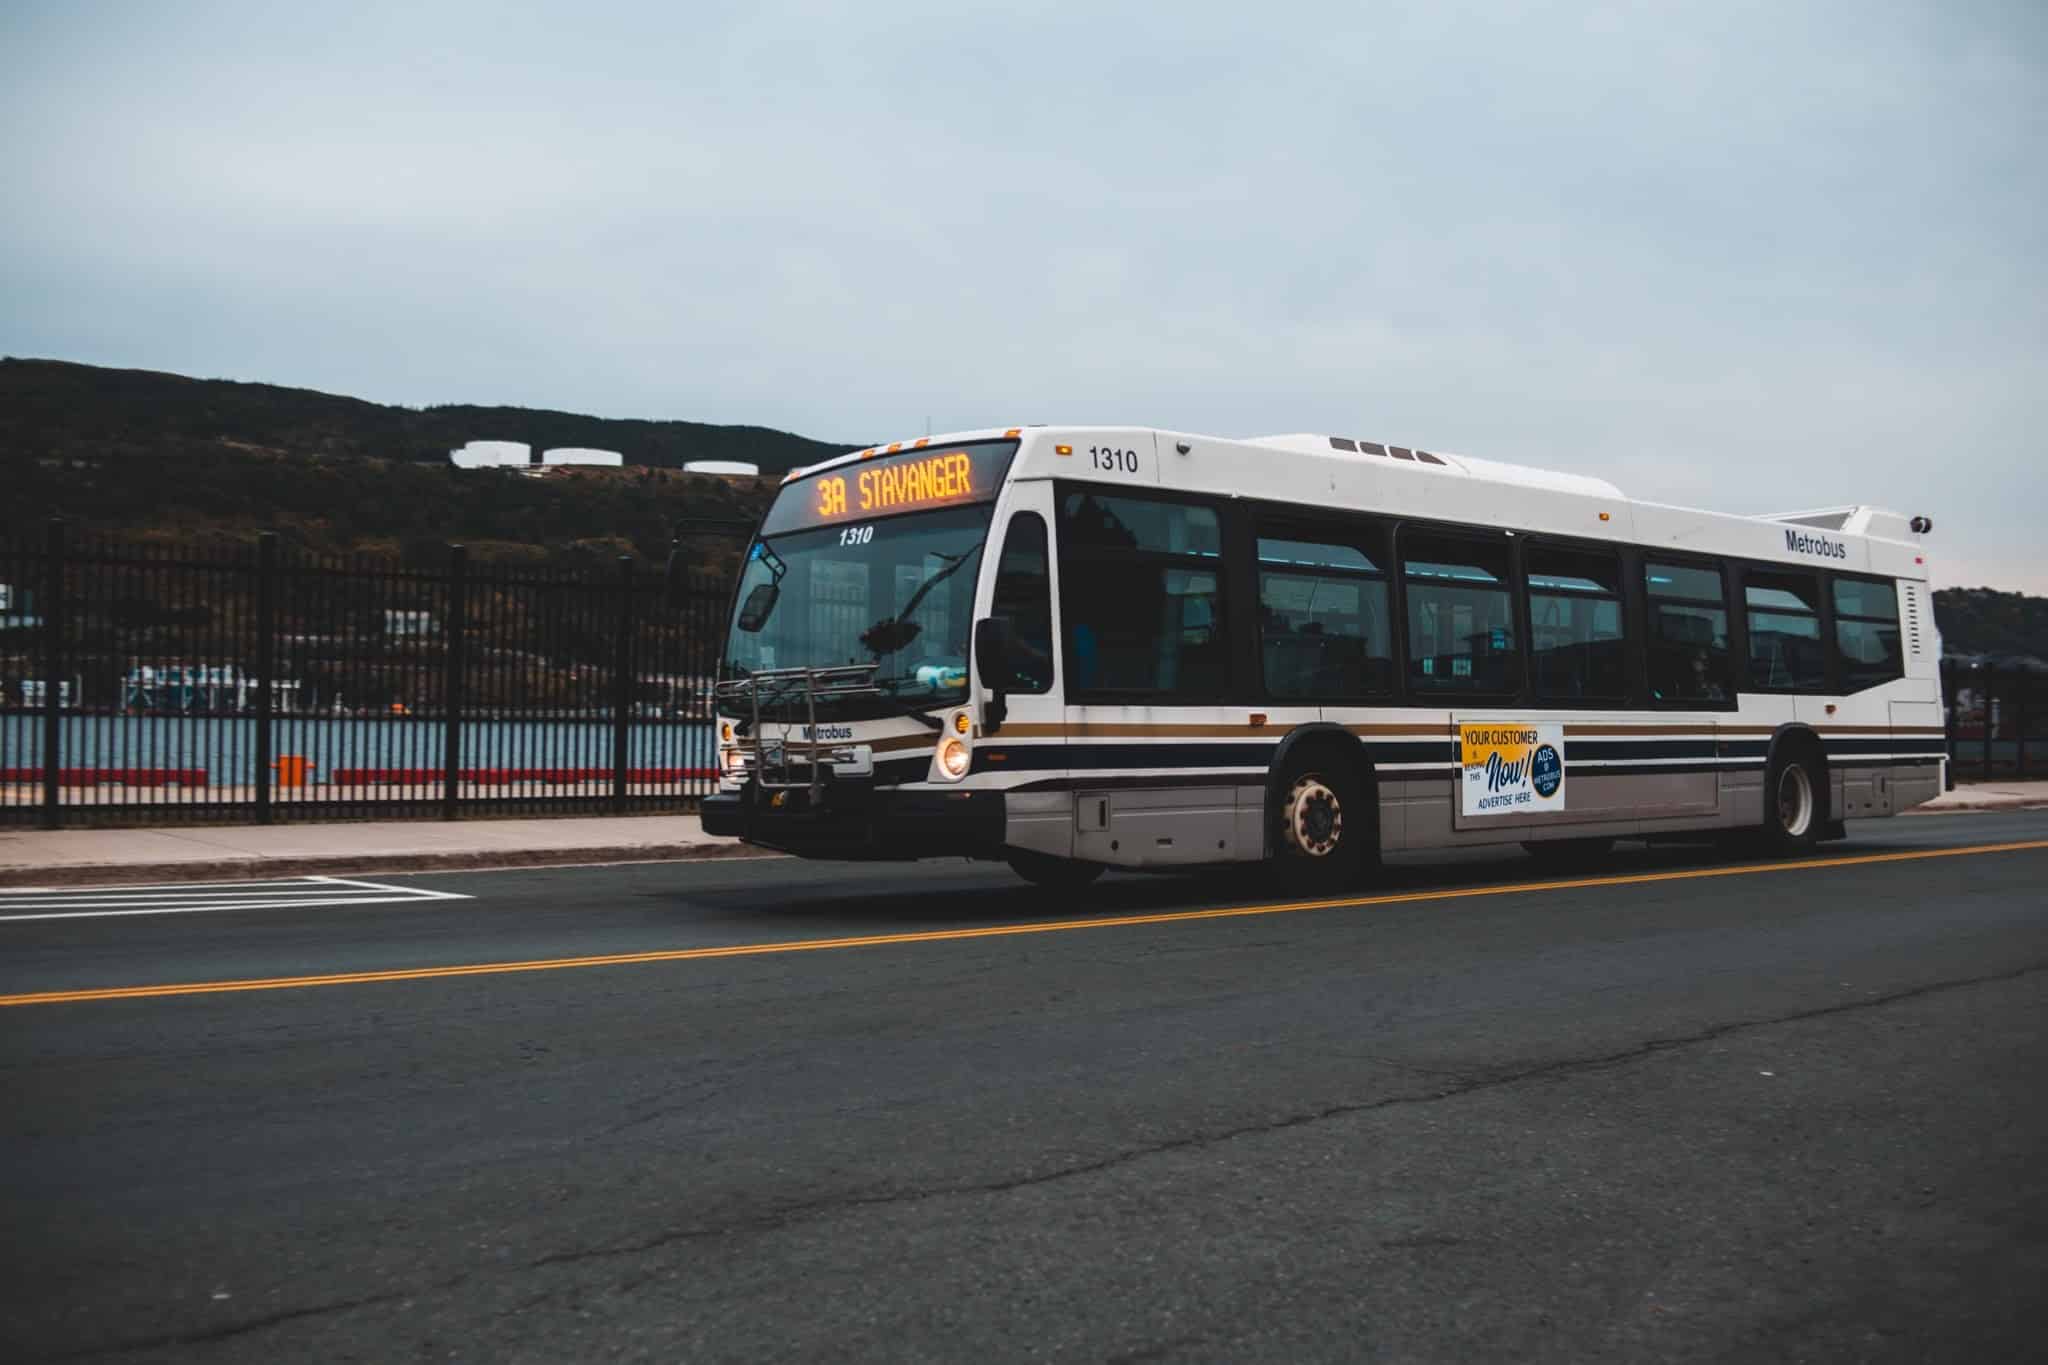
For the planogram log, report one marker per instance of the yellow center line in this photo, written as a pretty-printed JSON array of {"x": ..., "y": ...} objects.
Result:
[{"x": 280, "y": 983}]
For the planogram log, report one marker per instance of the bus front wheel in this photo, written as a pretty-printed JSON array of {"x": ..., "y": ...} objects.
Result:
[
  {"x": 1055, "y": 874},
  {"x": 1324, "y": 827}
]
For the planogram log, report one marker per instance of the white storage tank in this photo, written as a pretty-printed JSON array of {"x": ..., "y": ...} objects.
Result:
[
  {"x": 731, "y": 468},
  {"x": 491, "y": 454},
  {"x": 610, "y": 459}
]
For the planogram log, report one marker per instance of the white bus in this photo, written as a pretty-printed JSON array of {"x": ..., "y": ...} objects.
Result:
[{"x": 1080, "y": 648}]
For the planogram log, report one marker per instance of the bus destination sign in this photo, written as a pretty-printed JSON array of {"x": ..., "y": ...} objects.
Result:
[{"x": 908, "y": 481}]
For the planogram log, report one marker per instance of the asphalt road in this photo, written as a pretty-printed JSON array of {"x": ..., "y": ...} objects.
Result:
[{"x": 1677, "y": 1110}]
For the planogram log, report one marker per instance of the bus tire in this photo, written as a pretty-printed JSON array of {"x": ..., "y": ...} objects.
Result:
[
  {"x": 1795, "y": 799},
  {"x": 1569, "y": 853},
  {"x": 1324, "y": 834},
  {"x": 1054, "y": 874}
]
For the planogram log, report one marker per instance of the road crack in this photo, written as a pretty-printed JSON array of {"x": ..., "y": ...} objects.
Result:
[{"x": 1498, "y": 1078}]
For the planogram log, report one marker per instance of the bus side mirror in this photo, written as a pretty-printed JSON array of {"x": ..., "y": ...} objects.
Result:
[
  {"x": 754, "y": 611},
  {"x": 992, "y": 663}
]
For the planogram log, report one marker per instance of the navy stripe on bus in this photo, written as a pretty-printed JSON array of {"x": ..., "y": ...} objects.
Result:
[
  {"x": 1037, "y": 757},
  {"x": 1192, "y": 754},
  {"x": 1449, "y": 772},
  {"x": 1703, "y": 755},
  {"x": 1106, "y": 782},
  {"x": 1901, "y": 745}
]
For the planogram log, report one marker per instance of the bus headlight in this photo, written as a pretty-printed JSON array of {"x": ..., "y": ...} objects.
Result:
[{"x": 953, "y": 759}]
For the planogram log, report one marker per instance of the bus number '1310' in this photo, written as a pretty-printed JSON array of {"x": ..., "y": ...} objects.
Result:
[{"x": 1122, "y": 461}]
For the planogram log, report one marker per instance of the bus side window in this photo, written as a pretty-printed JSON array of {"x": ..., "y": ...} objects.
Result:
[
  {"x": 1688, "y": 644},
  {"x": 1785, "y": 652},
  {"x": 1867, "y": 632},
  {"x": 1461, "y": 616},
  {"x": 1142, "y": 597},
  {"x": 1575, "y": 642},
  {"x": 1023, "y": 593}
]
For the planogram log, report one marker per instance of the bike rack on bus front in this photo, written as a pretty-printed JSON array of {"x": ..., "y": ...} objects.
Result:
[{"x": 787, "y": 697}]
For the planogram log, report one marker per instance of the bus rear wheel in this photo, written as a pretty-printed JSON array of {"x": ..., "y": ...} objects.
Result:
[
  {"x": 1795, "y": 801},
  {"x": 1325, "y": 830},
  {"x": 1055, "y": 874}
]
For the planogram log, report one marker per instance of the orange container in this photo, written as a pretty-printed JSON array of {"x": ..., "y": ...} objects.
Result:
[{"x": 292, "y": 770}]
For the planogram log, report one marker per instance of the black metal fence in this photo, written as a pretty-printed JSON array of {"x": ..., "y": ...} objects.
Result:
[
  {"x": 1997, "y": 718},
  {"x": 156, "y": 683}
]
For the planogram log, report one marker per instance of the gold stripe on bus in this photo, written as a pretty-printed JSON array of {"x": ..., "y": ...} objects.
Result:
[
  {"x": 891, "y": 745},
  {"x": 1705, "y": 730},
  {"x": 1588, "y": 731},
  {"x": 1110, "y": 730},
  {"x": 1114, "y": 730},
  {"x": 1423, "y": 731}
]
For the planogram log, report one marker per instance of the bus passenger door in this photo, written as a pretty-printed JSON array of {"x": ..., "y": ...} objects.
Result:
[{"x": 1027, "y": 756}]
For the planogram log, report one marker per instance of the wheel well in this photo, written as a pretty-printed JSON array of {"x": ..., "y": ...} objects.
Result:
[
  {"x": 1799, "y": 739},
  {"x": 1315, "y": 741}
]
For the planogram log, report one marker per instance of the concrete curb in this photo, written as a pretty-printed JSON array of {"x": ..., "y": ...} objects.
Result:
[
  {"x": 1979, "y": 805},
  {"x": 335, "y": 865}
]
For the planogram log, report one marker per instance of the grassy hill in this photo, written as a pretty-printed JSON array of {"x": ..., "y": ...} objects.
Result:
[
  {"x": 387, "y": 508},
  {"x": 167, "y": 459},
  {"x": 52, "y": 407}
]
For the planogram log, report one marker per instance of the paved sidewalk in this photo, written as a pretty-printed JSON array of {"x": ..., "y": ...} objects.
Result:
[
  {"x": 83, "y": 857},
  {"x": 1987, "y": 796},
  {"x": 78, "y": 857}
]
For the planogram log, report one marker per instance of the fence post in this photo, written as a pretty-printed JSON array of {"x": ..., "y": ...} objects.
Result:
[
  {"x": 622, "y": 685},
  {"x": 1990, "y": 715},
  {"x": 452, "y": 683},
  {"x": 266, "y": 665},
  {"x": 1948, "y": 724},
  {"x": 53, "y": 672}
]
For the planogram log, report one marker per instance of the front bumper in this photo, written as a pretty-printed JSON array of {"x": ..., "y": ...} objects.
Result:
[{"x": 857, "y": 821}]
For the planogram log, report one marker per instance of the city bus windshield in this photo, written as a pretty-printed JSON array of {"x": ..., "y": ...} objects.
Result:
[
  {"x": 872, "y": 563},
  {"x": 897, "y": 593}
]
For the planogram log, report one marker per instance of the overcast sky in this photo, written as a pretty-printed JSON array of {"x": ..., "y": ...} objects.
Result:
[{"x": 1749, "y": 256}]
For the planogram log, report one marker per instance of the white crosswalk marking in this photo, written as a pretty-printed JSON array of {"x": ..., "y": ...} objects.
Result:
[{"x": 195, "y": 898}]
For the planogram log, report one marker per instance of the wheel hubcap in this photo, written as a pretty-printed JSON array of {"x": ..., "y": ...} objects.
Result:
[
  {"x": 1314, "y": 818},
  {"x": 1795, "y": 800}
]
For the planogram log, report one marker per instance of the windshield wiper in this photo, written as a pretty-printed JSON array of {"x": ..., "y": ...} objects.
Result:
[{"x": 891, "y": 633}]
